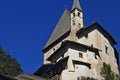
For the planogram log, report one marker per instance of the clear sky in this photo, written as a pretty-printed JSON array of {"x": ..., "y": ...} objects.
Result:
[{"x": 25, "y": 25}]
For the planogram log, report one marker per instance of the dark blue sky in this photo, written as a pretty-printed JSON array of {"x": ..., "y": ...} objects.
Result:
[{"x": 25, "y": 25}]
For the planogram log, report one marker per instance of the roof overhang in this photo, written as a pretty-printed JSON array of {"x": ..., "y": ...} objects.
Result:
[
  {"x": 49, "y": 70},
  {"x": 70, "y": 44},
  {"x": 82, "y": 63}
]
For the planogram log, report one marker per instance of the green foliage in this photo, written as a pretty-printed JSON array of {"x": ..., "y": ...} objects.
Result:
[
  {"x": 8, "y": 65},
  {"x": 108, "y": 74}
]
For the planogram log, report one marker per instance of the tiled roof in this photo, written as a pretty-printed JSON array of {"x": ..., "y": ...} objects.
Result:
[{"x": 61, "y": 29}]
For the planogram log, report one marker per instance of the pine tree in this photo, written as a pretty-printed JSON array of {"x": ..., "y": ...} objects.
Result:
[
  {"x": 8, "y": 65},
  {"x": 108, "y": 74}
]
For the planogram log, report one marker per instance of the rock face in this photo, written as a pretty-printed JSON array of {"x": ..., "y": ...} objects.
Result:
[
  {"x": 3, "y": 77},
  {"x": 74, "y": 51}
]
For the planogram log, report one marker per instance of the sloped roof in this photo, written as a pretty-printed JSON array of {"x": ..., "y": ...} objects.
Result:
[
  {"x": 42, "y": 71},
  {"x": 62, "y": 28},
  {"x": 76, "y": 4},
  {"x": 82, "y": 63},
  {"x": 49, "y": 70},
  {"x": 97, "y": 26}
]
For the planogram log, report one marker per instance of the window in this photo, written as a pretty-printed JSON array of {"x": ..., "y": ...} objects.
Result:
[
  {"x": 53, "y": 49},
  {"x": 78, "y": 78},
  {"x": 76, "y": 67},
  {"x": 74, "y": 14},
  {"x": 78, "y": 14},
  {"x": 73, "y": 22},
  {"x": 80, "y": 55},
  {"x": 106, "y": 49},
  {"x": 91, "y": 45}
]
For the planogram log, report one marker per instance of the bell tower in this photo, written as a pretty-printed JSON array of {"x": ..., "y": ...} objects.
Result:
[{"x": 76, "y": 16}]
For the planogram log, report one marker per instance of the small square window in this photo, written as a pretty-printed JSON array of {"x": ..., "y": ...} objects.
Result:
[
  {"x": 106, "y": 49},
  {"x": 91, "y": 45},
  {"x": 78, "y": 14},
  {"x": 53, "y": 49},
  {"x": 73, "y": 22},
  {"x": 80, "y": 55},
  {"x": 76, "y": 67}
]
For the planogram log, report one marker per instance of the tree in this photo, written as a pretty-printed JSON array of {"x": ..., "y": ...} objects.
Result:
[
  {"x": 107, "y": 73},
  {"x": 8, "y": 65}
]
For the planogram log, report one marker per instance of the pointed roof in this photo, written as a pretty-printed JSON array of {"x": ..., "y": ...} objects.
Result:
[
  {"x": 61, "y": 29},
  {"x": 76, "y": 4}
]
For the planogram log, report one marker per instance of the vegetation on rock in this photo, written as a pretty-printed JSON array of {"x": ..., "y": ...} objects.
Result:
[{"x": 8, "y": 65}]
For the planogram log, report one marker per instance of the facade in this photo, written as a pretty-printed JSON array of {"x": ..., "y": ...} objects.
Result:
[{"x": 74, "y": 51}]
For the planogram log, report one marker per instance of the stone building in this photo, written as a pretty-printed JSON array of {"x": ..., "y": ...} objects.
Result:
[{"x": 74, "y": 50}]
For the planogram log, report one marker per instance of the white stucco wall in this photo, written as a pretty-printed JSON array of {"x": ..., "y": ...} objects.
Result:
[
  {"x": 74, "y": 71},
  {"x": 74, "y": 55},
  {"x": 81, "y": 70}
]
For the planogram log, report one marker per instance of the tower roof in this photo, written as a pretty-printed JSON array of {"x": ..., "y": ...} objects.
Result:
[
  {"x": 61, "y": 28},
  {"x": 76, "y": 4}
]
